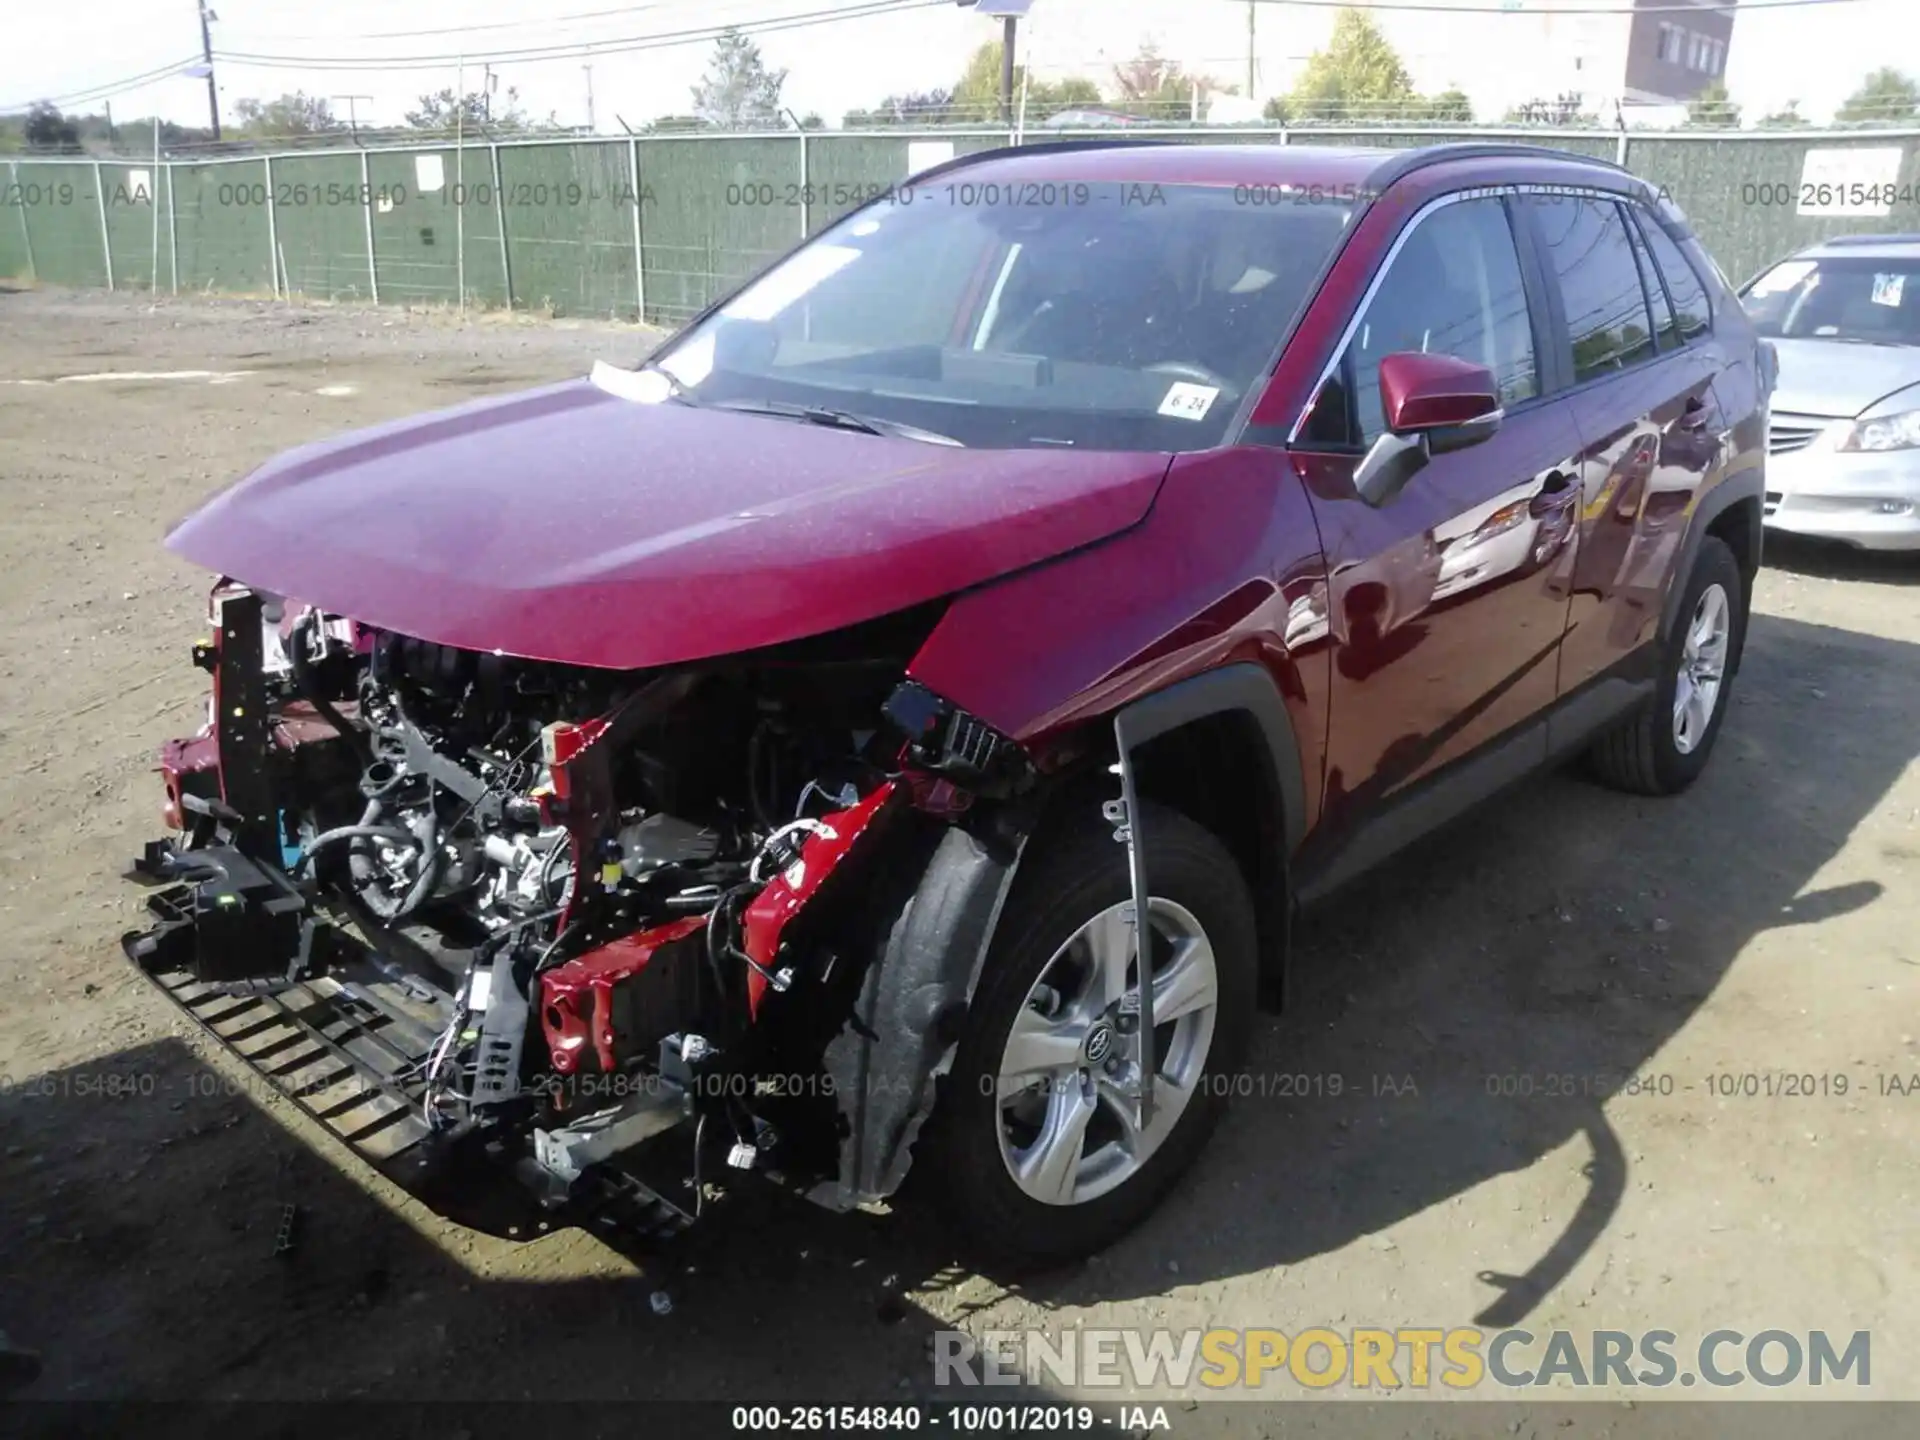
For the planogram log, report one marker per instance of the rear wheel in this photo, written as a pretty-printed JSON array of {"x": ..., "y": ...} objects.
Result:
[
  {"x": 1043, "y": 1151},
  {"x": 1662, "y": 747}
]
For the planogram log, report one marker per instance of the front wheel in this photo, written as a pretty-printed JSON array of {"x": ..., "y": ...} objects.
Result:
[{"x": 1046, "y": 1149}]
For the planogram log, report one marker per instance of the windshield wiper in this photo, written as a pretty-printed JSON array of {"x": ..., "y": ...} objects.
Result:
[
  {"x": 836, "y": 419},
  {"x": 675, "y": 390}
]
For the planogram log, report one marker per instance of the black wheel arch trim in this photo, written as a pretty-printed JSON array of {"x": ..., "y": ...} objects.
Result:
[
  {"x": 1745, "y": 487},
  {"x": 1242, "y": 686}
]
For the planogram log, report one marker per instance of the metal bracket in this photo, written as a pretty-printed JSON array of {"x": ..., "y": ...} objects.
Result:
[{"x": 1128, "y": 833}]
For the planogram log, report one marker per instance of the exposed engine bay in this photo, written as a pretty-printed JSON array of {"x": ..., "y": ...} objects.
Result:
[{"x": 553, "y": 922}]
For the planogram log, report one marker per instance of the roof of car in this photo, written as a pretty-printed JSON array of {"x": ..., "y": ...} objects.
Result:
[
  {"x": 1170, "y": 162},
  {"x": 1865, "y": 247}
]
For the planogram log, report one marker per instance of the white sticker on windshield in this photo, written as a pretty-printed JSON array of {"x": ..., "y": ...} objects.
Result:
[
  {"x": 1887, "y": 289},
  {"x": 1189, "y": 402},
  {"x": 1783, "y": 276}
]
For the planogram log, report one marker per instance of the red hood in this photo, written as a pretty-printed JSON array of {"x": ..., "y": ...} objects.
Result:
[{"x": 571, "y": 525}]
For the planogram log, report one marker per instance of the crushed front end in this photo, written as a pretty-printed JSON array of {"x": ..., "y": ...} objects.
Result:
[{"x": 547, "y": 944}]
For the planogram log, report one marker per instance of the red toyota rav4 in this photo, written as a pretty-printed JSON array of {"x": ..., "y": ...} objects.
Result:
[{"x": 765, "y": 760}]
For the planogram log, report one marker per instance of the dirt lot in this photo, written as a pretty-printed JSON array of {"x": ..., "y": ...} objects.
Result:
[{"x": 1767, "y": 924}]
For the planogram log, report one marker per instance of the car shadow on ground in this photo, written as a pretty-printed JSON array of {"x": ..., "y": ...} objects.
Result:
[
  {"x": 1561, "y": 930},
  {"x": 1832, "y": 560}
]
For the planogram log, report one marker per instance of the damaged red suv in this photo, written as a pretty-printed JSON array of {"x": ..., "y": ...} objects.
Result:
[{"x": 787, "y": 758}]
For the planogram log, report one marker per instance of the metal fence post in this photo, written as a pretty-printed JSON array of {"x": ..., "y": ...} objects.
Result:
[
  {"x": 26, "y": 230},
  {"x": 1620, "y": 151},
  {"x": 639, "y": 251},
  {"x": 804, "y": 192},
  {"x": 173, "y": 233},
  {"x": 366, "y": 209},
  {"x": 459, "y": 223},
  {"x": 106, "y": 240},
  {"x": 273, "y": 234},
  {"x": 153, "y": 202},
  {"x": 500, "y": 214}
]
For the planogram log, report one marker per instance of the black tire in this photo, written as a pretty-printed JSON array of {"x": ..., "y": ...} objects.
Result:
[
  {"x": 1078, "y": 872},
  {"x": 1639, "y": 754}
]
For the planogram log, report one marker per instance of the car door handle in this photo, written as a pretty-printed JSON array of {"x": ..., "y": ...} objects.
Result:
[{"x": 1556, "y": 492}]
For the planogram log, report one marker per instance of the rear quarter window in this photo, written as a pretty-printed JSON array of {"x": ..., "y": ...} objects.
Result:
[{"x": 1692, "y": 315}]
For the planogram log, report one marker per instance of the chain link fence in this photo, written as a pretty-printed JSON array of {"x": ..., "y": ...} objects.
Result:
[{"x": 656, "y": 227}]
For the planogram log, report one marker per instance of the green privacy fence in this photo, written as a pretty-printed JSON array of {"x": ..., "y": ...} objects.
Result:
[{"x": 657, "y": 227}]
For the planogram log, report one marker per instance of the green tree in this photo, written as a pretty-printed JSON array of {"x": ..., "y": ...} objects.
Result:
[
  {"x": 1151, "y": 85},
  {"x": 1276, "y": 110},
  {"x": 1787, "y": 119},
  {"x": 1712, "y": 110},
  {"x": 1886, "y": 97},
  {"x": 1359, "y": 76},
  {"x": 475, "y": 111},
  {"x": 1449, "y": 107},
  {"x": 739, "y": 90},
  {"x": 929, "y": 107},
  {"x": 295, "y": 113},
  {"x": 976, "y": 96},
  {"x": 48, "y": 129}
]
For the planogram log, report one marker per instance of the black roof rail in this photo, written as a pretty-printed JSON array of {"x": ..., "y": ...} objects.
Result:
[
  {"x": 1043, "y": 147},
  {"x": 1405, "y": 163},
  {"x": 1395, "y": 167},
  {"x": 1866, "y": 240}
]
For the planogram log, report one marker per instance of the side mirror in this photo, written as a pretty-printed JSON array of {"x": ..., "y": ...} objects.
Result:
[{"x": 1434, "y": 404}]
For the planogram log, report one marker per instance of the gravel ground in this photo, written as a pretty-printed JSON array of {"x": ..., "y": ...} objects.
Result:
[{"x": 1766, "y": 925}]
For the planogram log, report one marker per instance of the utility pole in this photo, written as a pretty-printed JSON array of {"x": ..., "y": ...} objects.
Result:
[
  {"x": 1012, "y": 24},
  {"x": 353, "y": 113},
  {"x": 1250, "y": 14},
  {"x": 486, "y": 94},
  {"x": 591, "y": 130},
  {"x": 206, "y": 54}
]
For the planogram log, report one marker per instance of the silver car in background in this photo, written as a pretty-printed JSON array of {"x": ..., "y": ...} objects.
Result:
[{"x": 1843, "y": 458}]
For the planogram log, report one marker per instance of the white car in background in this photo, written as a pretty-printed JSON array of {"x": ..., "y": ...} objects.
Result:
[{"x": 1843, "y": 448}]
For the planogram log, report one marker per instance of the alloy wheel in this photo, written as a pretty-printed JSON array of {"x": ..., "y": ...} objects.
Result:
[
  {"x": 1068, "y": 1089},
  {"x": 1703, "y": 668}
]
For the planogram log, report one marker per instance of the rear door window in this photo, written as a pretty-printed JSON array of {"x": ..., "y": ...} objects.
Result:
[{"x": 1591, "y": 256}]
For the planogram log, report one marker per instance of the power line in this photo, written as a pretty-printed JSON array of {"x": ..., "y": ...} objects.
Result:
[
  {"x": 657, "y": 40},
  {"x": 541, "y": 22},
  {"x": 1717, "y": 7},
  {"x": 108, "y": 89}
]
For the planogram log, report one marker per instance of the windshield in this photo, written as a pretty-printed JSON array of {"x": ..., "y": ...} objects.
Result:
[
  {"x": 1859, "y": 298},
  {"x": 1096, "y": 316}
]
